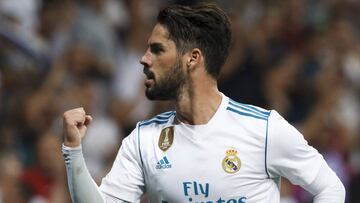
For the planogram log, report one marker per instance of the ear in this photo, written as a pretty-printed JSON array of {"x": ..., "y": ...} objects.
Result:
[{"x": 195, "y": 58}]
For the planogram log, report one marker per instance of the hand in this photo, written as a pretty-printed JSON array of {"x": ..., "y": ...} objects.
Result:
[{"x": 75, "y": 123}]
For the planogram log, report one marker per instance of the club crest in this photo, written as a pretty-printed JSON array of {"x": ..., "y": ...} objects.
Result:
[
  {"x": 166, "y": 138},
  {"x": 231, "y": 163}
]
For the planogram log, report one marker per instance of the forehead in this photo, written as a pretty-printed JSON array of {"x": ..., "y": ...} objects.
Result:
[{"x": 160, "y": 35}]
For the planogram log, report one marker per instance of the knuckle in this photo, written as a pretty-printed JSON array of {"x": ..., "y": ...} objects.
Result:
[
  {"x": 69, "y": 114},
  {"x": 66, "y": 115},
  {"x": 80, "y": 110}
]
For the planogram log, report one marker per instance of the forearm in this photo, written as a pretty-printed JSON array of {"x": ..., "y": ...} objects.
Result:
[
  {"x": 82, "y": 187},
  {"x": 327, "y": 187}
]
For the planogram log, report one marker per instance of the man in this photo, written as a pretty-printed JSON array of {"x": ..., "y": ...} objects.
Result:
[{"x": 211, "y": 149}]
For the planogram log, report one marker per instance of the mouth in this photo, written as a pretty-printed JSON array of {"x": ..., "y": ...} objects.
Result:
[
  {"x": 150, "y": 77},
  {"x": 149, "y": 82}
]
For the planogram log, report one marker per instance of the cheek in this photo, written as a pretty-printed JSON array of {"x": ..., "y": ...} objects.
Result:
[
  {"x": 164, "y": 63},
  {"x": 162, "y": 68}
]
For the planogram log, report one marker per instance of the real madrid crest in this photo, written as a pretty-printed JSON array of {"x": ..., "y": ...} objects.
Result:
[
  {"x": 231, "y": 163},
  {"x": 166, "y": 138}
]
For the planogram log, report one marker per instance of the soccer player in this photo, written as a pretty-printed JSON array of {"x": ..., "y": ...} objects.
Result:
[{"x": 211, "y": 149}]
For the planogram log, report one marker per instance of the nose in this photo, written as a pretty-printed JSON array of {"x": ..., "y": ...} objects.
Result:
[{"x": 146, "y": 59}]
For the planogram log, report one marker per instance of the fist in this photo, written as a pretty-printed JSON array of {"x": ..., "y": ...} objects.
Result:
[{"x": 75, "y": 123}]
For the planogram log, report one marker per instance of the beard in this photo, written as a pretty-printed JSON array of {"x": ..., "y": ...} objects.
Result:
[{"x": 169, "y": 86}]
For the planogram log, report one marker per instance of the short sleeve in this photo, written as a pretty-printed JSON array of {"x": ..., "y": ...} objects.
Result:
[
  {"x": 125, "y": 180},
  {"x": 288, "y": 153}
]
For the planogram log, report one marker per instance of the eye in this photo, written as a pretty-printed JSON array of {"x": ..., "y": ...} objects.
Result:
[{"x": 156, "y": 48}]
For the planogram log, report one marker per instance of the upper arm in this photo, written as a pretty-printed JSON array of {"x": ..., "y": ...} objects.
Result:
[
  {"x": 289, "y": 154},
  {"x": 125, "y": 180}
]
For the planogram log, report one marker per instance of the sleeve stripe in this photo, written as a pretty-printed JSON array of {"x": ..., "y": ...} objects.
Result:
[
  {"x": 238, "y": 111},
  {"x": 159, "y": 119},
  {"x": 249, "y": 108},
  {"x": 153, "y": 121}
]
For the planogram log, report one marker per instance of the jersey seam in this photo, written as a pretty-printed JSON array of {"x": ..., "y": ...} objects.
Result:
[
  {"x": 266, "y": 146},
  {"x": 139, "y": 144}
]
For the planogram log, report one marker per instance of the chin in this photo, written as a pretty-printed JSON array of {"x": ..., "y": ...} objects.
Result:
[
  {"x": 157, "y": 96},
  {"x": 149, "y": 96}
]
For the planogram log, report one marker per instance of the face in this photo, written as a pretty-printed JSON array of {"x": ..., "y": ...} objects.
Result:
[{"x": 162, "y": 67}]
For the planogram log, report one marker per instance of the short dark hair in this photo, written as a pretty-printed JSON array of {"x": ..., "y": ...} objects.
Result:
[{"x": 203, "y": 26}]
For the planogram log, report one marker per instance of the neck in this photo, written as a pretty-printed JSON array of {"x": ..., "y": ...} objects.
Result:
[{"x": 198, "y": 102}]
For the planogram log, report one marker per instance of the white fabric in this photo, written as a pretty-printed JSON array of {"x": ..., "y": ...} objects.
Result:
[
  {"x": 192, "y": 169},
  {"x": 265, "y": 143},
  {"x": 82, "y": 187},
  {"x": 125, "y": 180},
  {"x": 289, "y": 155},
  {"x": 326, "y": 178},
  {"x": 25, "y": 11}
]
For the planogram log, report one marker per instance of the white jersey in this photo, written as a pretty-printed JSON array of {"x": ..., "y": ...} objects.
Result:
[{"x": 237, "y": 157}]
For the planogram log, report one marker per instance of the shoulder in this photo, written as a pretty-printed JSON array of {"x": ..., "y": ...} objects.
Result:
[
  {"x": 284, "y": 138},
  {"x": 247, "y": 110},
  {"x": 151, "y": 125},
  {"x": 145, "y": 130},
  {"x": 158, "y": 120}
]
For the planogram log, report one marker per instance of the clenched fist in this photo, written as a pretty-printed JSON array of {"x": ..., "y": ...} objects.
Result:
[{"x": 75, "y": 122}]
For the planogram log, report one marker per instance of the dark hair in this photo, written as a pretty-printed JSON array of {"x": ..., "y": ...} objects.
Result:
[{"x": 203, "y": 26}]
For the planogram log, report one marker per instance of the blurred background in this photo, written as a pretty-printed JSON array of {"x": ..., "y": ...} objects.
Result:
[{"x": 300, "y": 57}]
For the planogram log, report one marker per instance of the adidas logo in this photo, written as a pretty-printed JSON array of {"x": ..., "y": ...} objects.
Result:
[{"x": 163, "y": 163}]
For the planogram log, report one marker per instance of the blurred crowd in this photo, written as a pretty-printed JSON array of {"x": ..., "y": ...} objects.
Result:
[{"x": 300, "y": 57}]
